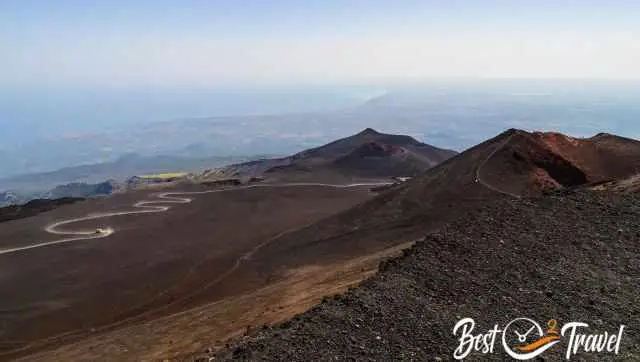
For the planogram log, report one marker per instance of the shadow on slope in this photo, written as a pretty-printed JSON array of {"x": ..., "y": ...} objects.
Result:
[
  {"x": 366, "y": 154},
  {"x": 539, "y": 258},
  {"x": 513, "y": 164},
  {"x": 33, "y": 207}
]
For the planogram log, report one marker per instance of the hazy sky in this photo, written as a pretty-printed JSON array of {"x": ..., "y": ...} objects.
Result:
[{"x": 188, "y": 42}]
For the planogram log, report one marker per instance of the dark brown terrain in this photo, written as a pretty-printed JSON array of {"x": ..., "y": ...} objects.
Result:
[
  {"x": 509, "y": 165},
  {"x": 366, "y": 154},
  {"x": 571, "y": 257},
  {"x": 33, "y": 207},
  {"x": 513, "y": 164},
  {"x": 629, "y": 185},
  {"x": 531, "y": 162},
  {"x": 181, "y": 281},
  {"x": 154, "y": 264}
]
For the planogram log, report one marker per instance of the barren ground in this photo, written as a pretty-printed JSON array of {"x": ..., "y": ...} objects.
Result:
[
  {"x": 571, "y": 256},
  {"x": 154, "y": 265}
]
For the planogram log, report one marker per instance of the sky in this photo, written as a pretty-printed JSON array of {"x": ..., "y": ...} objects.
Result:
[{"x": 116, "y": 43}]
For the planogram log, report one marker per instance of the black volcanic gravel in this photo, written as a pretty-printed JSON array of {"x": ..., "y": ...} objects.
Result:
[{"x": 572, "y": 257}]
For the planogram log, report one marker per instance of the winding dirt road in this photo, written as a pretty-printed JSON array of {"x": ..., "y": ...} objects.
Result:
[
  {"x": 146, "y": 207},
  {"x": 162, "y": 203}
]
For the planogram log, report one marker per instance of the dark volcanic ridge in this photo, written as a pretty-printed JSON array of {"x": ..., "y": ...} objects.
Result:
[
  {"x": 541, "y": 161},
  {"x": 512, "y": 251},
  {"x": 570, "y": 257},
  {"x": 510, "y": 172},
  {"x": 34, "y": 207},
  {"x": 499, "y": 168},
  {"x": 366, "y": 154},
  {"x": 513, "y": 164}
]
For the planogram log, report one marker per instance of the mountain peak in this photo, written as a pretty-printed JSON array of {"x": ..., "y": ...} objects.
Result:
[
  {"x": 602, "y": 134},
  {"x": 369, "y": 131}
]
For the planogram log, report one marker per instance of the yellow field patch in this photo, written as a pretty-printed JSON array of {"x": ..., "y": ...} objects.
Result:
[{"x": 165, "y": 175}]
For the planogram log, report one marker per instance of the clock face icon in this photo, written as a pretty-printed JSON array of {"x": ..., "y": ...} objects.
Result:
[
  {"x": 521, "y": 332},
  {"x": 523, "y": 338}
]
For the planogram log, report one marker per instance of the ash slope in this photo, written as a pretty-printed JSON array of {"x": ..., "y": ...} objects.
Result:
[
  {"x": 571, "y": 257},
  {"x": 629, "y": 185},
  {"x": 541, "y": 161},
  {"x": 511, "y": 164},
  {"x": 366, "y": 154},
  {"x": 514, "y": 163}
]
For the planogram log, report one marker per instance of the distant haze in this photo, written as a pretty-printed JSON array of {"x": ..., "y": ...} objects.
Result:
[
  {"x": 30, "y": 114},
  {"x": 85, "y": 82},
  {"x": 197, "y": 124},
  {"x": 227, "y": 42}
]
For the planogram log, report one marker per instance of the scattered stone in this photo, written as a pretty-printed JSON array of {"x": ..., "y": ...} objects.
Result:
[{"x": 575, "y": 254}]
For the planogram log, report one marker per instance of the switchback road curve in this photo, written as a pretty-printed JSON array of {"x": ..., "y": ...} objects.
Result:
[{"x": 160, "y": 204}]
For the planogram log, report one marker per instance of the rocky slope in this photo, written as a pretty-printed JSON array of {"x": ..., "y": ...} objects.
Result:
[
  {"x": 366, "y": 154},
  {"x": 570, "y": 257},
  {"x": 499, "y": 168},
  {"x": 541, "y": 161},
  {"x": 503, "y": 172},
  {"x": 629, "y": 185},
  {"x": 514, "y": 163}
]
